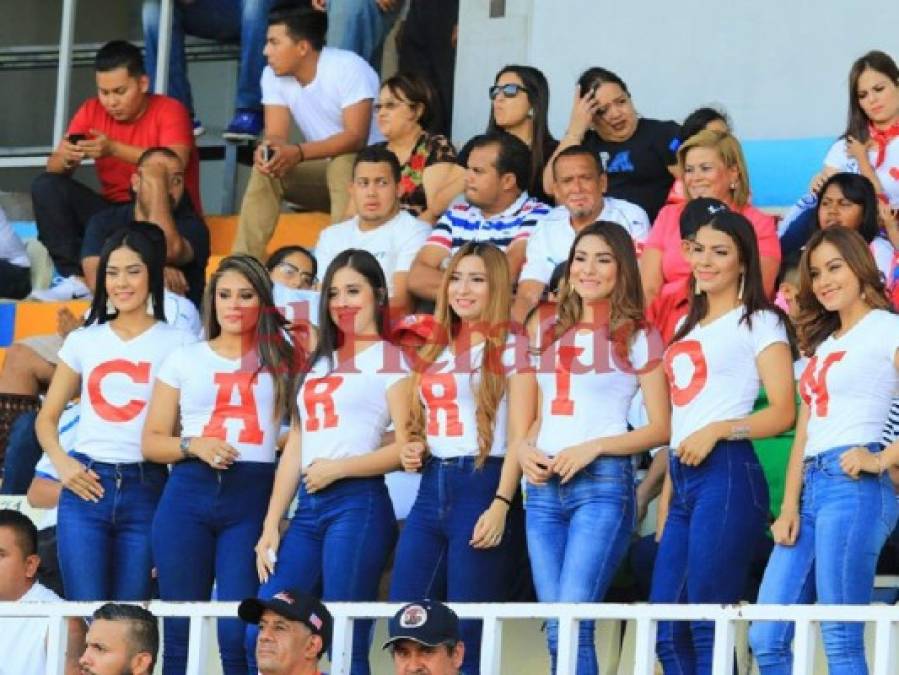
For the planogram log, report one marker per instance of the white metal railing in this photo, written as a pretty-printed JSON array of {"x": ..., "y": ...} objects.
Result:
[{"x": 806, "y": 617}]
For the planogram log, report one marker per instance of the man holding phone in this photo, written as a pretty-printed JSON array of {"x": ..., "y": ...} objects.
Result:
[
  {"x": 328, "y": 93},
  {"x": 113, "y": 130}
]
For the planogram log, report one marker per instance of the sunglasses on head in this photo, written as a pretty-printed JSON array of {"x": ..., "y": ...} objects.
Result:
[{"x": 507, "y": 90}]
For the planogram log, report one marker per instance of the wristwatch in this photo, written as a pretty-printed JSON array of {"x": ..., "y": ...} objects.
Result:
[{"x": 184, "y": 445}]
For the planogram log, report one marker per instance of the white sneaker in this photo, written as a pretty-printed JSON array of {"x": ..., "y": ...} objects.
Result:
[{"x": 63, "y": 288}]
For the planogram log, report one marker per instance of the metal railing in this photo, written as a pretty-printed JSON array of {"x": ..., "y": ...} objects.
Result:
[{"x": 646, "y": 617}]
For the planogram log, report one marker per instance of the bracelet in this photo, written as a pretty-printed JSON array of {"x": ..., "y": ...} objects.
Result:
[
  {"x": 302, "y": 154},
  {"x": 508, "y": 502},
  {"x": 739, "y": 432}
]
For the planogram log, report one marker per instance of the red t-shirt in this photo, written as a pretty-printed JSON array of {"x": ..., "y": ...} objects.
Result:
[
  {"x": 665, "y": 237},
  {"x": 164, "y": 122}
]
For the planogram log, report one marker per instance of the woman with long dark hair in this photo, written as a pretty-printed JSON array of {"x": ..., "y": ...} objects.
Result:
[
  {"x": 589, "y": 363},
  {"x": 463, "y": 435},
  {"x": 520, "y": 106},
  {"x": 110, "y": 493},
  {"x": 868, "y": 145},
  {"x": 229, "y": 393},
  {"x": 732, "y": 341},
  {"x": 355, "y": 383},
  {"x": 839, "y": 506}
]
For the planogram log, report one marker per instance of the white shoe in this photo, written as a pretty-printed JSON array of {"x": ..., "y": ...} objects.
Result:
[{"x": 63, "y": 288}]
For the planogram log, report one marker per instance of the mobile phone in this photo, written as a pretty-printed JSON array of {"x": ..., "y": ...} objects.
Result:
[
  {"x": 266, "y": 152},
  {"x": 75, "y": 138}
]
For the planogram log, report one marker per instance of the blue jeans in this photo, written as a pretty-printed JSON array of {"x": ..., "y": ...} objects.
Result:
[
  {"x": 23, "y": 452},
  {"x": 104, "y": 547},
  {"x": 360, "y": 26},
  {"x": 843, "y": 525},
  {"x": 718, "y": 512},
  {"x": 243, "y": 21},
  {"x": 577, "y": 536},
  {"x": 205, "y": 531},
  {"x": 433, "y": 557},
  {"x": 336, "y": 548}
]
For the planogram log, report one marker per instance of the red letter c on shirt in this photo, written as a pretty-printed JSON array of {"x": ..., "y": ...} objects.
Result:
[{"x": 138, "y": 372}]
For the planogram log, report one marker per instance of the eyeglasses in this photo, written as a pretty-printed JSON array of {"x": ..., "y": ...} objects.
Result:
[
  {"x": 389, "y": 105},
  {"x": 292, "y": 271},
  {"x": 507, "y": 90}
]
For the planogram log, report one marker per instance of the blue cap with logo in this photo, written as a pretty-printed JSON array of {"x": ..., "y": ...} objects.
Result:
[{"x": 427, "y": 622}]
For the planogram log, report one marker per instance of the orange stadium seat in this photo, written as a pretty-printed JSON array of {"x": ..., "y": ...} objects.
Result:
[
  {"x": 292, "y": 229},
  {"x": 39, "y": 318}
]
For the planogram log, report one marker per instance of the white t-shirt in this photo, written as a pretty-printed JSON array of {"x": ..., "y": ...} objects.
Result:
[
  {"x": 883, "y": 253},
  {"x": 448, "y": 391},
  {"x": 587, "y": 388},
  {"x": 551, "y": 241},
  {"x": 182, "y": 313},
  {"x": 850, "y": 382},
  {"x": 394, "y": 244},
  {"x": 116, "y": 383},
  {"x": 12, "y": 249},
  {"x": 712, "y": 373},
  {"x": 342, "y": 78},
  {"x": 344, "y": 413},
  {"x": 23, "y": 642},
  {"x": 224, "y": 398},
  {"x": 296, "y": 304},
  {"x": 888, "y": 172}
]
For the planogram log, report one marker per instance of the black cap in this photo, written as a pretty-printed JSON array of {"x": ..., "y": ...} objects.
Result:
[
  {"x": 427, "y": 622},
  {"x": 294, "y": 605},
  {"x": 698, "y": 212}
]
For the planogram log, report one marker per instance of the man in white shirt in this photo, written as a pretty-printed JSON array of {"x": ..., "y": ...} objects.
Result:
[
  {"x": 329, "y": 94},
  {"x": 391, "y": 235},
  {"x": 23, "y": 642},
  {"x": 579, "y": 184}
]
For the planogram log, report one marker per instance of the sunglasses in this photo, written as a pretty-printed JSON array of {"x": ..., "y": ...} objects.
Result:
[
  {"x": 292, "y": 271},
  {"x": 507, "y": 90}
]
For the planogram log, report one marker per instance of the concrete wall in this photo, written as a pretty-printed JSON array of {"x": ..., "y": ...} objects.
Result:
[{"x": 779, "y": 68}]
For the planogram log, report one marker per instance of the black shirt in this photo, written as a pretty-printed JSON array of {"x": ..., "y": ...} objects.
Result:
[
  {"x": 638, "y": 167},
  {"x": 189, "y": 225}
]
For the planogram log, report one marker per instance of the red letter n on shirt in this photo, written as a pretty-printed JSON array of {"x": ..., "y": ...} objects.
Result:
[{"x": 444, "y": 399}]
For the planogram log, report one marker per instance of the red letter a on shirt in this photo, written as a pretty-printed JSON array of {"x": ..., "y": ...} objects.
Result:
[{"x": 245, "y": 410}]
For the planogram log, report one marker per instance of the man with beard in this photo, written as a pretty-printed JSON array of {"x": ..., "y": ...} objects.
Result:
[
  {"x": 158, "y": 187},
  {"x": 122, "y": 640},
  {"x": 579, "y": 184}
]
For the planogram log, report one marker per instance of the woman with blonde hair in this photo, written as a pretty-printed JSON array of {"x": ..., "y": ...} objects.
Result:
[
  {"x": 711, "y": 165},
  {"x": 839, "y": 506},
  {"x": 456, "y": 545},
  {"x": 589, "y": 364}
]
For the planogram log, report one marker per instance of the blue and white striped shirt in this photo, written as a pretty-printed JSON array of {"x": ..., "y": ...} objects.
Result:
[{"x": 464, "y": 223}]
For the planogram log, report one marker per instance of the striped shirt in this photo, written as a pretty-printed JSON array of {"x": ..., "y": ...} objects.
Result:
[{"x": 464, "y": 223}]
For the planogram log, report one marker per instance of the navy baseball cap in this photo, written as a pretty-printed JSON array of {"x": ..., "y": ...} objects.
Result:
[
  {"x": 293, "y": 605},
  {"x": 427, "y": 622}
]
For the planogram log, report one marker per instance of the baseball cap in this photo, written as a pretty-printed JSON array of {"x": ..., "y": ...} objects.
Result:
[
  {"x": 698, "y": 212},
  {"x": 427, "y": 622},
  {"x": 413, "y": 330},
  {"x": 294, "y": 605}
]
